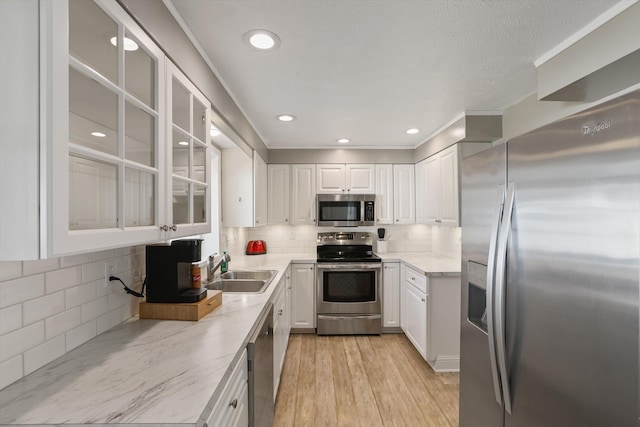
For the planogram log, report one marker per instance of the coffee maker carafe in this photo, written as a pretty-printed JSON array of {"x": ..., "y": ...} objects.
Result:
[{"x": 169, "y": 271}]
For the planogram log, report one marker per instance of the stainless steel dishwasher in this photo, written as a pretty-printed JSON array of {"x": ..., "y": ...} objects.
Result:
[{"x": 260, "y": 354}]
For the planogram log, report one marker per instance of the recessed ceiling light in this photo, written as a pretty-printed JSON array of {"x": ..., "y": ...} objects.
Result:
[
  {"x": 262, "y": 39},
  {"x": 285, "y": 117},
  {"x": 129, "y": 44},
  {"x": 344, "y": 140},
  {"x": 98, "y": 134},
  {"x": 183, "y": 143},
  {"x": 412, "y": 131},
  {"x": 215, "y": 131}
]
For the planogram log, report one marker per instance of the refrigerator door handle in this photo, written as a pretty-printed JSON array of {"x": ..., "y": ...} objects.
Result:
[
  {"x": 501, "y": 270},
  {"x": 491, "y": 269}
]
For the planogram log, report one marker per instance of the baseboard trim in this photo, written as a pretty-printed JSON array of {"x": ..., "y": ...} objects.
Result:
[{"x": 445, "y": 364}]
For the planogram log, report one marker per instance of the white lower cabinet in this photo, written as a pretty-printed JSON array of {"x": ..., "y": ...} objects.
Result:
[
  {"x": 303, "y": 299},
  {"x": 414, "y": 308},
  {"x": 391, "y": 295},
  {"x": 443, "y": 321},
  {"x": 430, "y": 316},
  {"x": 280, "y": 332},
  {"x": 232, "y": 408}
]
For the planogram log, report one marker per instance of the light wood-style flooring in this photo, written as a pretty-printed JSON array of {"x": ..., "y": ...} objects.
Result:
[{"x": 362, "y": 381}]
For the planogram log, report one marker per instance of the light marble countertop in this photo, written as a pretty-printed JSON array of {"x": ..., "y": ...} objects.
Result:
[
  {"x": 158, "y": 372},
  {"x": 430, "y": 264}
]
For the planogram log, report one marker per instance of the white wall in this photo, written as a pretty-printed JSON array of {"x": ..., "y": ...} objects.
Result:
[{"x": 52, "y": 306}]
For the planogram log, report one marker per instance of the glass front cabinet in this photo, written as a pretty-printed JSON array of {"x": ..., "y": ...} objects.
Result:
[{"x": 123, "y": 143}]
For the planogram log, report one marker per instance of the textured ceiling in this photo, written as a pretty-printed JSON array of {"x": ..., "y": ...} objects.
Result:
[{"x": 369, "y": 69}]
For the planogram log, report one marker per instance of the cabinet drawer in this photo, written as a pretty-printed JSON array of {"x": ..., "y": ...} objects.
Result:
[
  {"x": 234, "y": 398},
  {"x": 416, "y": 278}
]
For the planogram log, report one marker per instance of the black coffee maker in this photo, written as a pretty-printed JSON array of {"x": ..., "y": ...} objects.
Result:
[{"x": 169, "y": 270}]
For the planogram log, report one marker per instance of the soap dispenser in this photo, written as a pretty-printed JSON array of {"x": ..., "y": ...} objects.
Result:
[{"x": 224, "y": 266}]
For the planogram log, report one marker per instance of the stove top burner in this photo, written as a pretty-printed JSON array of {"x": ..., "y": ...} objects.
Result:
[
  {"x": 350, "y": 258},
  {"x": 347, "y": 253}
]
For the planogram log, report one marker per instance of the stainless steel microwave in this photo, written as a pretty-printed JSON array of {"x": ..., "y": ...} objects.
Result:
[{"x": 346, "y": 210}]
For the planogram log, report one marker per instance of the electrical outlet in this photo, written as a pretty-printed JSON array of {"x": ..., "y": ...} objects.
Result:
[{"x": 109, "y": 270}]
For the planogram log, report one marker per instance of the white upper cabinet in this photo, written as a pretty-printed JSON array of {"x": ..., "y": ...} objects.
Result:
[
  {"x": 278, "y": 191},
  {"x": 189, "y": 156},
  {"x": 403, "y": 194},
  {"x": 437, "y": 192},
  {"x": 260, "y": 189},
  {"x": 303, "y": 194},
  {"x": 421, "y": 182},
  {"x": 104, "y": 104},
  {"x": 350, "y": 178},
  {"x": 331, "y": 178},
  {"x": 243, "y": 177},
  {"x": 449, "y": 189},
  {"x": 360, "y": 179},
  {"x": 121, "y": 145},
  {"x": 384, "y": 194},
  {"x": 98, "y": 112}
]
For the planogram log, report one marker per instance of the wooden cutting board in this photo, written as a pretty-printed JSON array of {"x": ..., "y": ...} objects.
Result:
[{"x": 181, "y": 311}]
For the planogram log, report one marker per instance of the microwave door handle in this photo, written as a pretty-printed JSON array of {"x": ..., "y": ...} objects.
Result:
[
  {"x": 491, "y": 267},
  {"x": 501, "y": 271}
]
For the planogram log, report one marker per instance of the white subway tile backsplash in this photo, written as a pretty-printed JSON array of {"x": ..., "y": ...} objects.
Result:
[
  {"x": 43, "y": 307},
  {"x": 63, "y": 279},
  {"x": 63, "y": 322},
  {"x": 11, "y": 371},
  {"x": 10, "y": 270},
  {"x": 103, "y": 255},
  {"x": 95, "y": 308},
  {"x": 41, "y": 355},
  {"x": 118, "y": 299},
  {"x": 40, "y": 266},
  {"x": 10, "y": 318},
  {"x": 51, "y": 306},
  {"x": 19, "y": 290},
  {"x": 78, "y": 295},
  {"x": 93, "y": 271},
  {"x": 81, "y": 334},
  {"x": 109, "y": 320},
  {"x": 21, "y": 340},
  {"x": 70, "y": 261}
]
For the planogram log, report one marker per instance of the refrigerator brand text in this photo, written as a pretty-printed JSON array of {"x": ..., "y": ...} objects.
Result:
[{"x": 595, "y": 129}]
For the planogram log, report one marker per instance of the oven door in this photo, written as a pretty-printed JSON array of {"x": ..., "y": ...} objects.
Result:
[{"x": 348, "y": 288}]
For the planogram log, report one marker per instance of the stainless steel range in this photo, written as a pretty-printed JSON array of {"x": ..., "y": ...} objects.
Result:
[{"x": 348, "y": 285}]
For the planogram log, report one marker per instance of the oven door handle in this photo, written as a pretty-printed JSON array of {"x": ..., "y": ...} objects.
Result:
[{"x": 349, "y": 266}]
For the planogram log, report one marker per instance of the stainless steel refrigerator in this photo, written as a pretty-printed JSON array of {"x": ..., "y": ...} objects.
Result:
[{"x": 551, "y": 275}]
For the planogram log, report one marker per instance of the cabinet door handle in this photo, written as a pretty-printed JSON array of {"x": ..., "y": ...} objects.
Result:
[
  {"x": 234, "y": 403},
  {"x": 422, "y": 299}
]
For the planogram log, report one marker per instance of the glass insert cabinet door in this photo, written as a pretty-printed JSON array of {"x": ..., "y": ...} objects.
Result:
[
  {"x": 189, "y": 158},
  {"x": 105, "y": 106}
]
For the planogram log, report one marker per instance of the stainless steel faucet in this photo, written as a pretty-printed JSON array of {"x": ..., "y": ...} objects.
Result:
[{"x": 213, "y": 266}]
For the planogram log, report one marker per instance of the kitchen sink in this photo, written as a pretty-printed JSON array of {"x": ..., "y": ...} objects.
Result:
[
  {"x": 245, "y": 281},
  {"x": 249, "y": 275}
]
